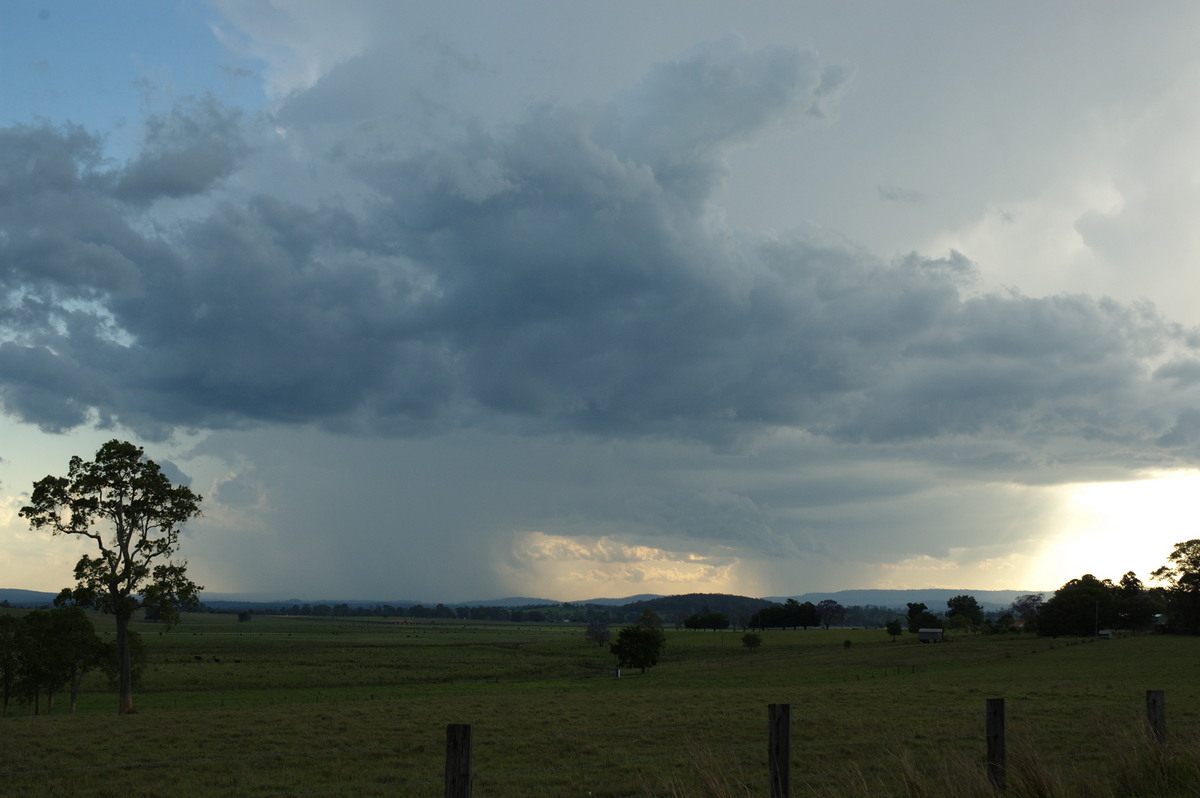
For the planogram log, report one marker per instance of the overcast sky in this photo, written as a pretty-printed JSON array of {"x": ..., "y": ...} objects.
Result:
[{"x": 453, "y": 301}]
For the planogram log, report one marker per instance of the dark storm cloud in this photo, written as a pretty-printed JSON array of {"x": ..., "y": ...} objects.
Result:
[{"x": 563, "y": 273}]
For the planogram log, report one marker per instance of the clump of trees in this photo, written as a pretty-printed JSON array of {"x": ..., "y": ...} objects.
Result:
[
  {"x": 45, "y": 652},
  {"x": 1086, "y": 605},
  {"x": 707, "y": 619},
  {"x": 791, "y": 614}
]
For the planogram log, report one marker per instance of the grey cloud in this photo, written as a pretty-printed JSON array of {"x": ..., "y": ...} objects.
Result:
[
  {"x": 173, "y": 472},
  {"x": 237, "y": 492},
  {"x": 1182, "y": 372},
  {"x": 688, "y": 113},
  {"x": 184, "y": 153},
  {"x": 559, "y": 274},
  {"x": 906, "y": 196}
]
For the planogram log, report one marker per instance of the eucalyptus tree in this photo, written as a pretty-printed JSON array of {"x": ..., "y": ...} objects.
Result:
[{"x": 123, "y": 503}]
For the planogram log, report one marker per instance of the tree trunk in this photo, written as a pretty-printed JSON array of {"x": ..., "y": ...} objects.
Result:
[{"x": 125, "y": 702}]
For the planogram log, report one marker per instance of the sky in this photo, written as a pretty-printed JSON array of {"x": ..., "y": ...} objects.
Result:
[{"x": 457, "y": 301}]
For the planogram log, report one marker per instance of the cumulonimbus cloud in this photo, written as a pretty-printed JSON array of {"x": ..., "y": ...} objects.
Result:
[{"x": 563, "y": 273}]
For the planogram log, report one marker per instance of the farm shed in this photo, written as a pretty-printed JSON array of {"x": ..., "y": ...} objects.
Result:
[{"x": 929, "y": 635}]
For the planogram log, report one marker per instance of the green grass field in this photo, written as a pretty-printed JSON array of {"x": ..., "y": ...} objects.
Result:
[{"x": 305, "y": 706}]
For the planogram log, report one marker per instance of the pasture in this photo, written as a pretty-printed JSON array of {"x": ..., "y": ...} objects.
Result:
[{"x": 285, "y": 706}]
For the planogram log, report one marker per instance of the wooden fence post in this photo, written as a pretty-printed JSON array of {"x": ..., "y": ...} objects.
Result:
[
  {"x": 1156, "y": 714},
  {"x": 779, "y": 749},
  {"x": 996, "y": 749},
  {"x": 458, "y": 760}
]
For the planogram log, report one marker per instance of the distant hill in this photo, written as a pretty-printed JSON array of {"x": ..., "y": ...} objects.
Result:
[
  {"x": 679, "y": 607},
  {"x": 934, "y": 598},
  {"x": 511, "y": 601},
  {"x": 26, "y": 598}
]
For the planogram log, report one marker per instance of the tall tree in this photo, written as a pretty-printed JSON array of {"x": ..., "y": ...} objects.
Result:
[
  {"x": 1182, "y": 576},
  {"x": 133, "y": 513}
]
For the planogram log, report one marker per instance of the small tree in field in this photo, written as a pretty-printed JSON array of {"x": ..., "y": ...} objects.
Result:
[
  {"x": 895, "y": 628},
  {"x": 597, "y": 632},
  {"x": 751, "y": 641},
  {"x": 128, "y": 507}
]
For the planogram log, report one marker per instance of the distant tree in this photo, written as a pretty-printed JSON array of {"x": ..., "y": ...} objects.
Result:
[
  {"x": 792, "y": 614},
  {"x": 919, "y": 617},
  {"x": 1025, "y": 607},
  {"x": 1136, "y": 607},
  {"x": 895, "y": 628},
  {"x": 707, "y": 620},
  {"x": 638, "y": 646},
  {"x": 1181, "y": 575},
  {"x": 751, "y": 641},
  {"x": 914, "y": 610},
  {"x": 959, "y": 623},
  {"x": 131, "y": 511},
  {"x": 806, "y": 615},
  {"x": 650, "y": 619},
  {"x": 965, "y": 607},
  {"x": 830, "y": 612},
  {"x": 597, "y": 632},
  {"x": 245, "y": 616},
  {"x": 1081, "y": 607}
]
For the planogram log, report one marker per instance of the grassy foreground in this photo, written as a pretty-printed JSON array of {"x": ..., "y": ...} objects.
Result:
[{"x": 306, "y": 706}]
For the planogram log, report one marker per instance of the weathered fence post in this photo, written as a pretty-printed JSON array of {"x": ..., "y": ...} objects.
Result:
[
  {"x": 779, "y": 749},
  {"x": 1156, "y": 714},
  {"x": 996, "y": 751},
  {"x": 458, "y": 760}
]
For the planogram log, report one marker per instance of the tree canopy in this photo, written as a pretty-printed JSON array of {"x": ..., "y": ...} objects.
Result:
[
  {"x": 965, "y": 607},
  {"x": 1182, "y": 577},
  {"x": 1082, "y": 606}
]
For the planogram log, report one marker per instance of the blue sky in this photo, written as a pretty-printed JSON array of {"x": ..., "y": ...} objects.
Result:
[{"x": 454, "y": 302}]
